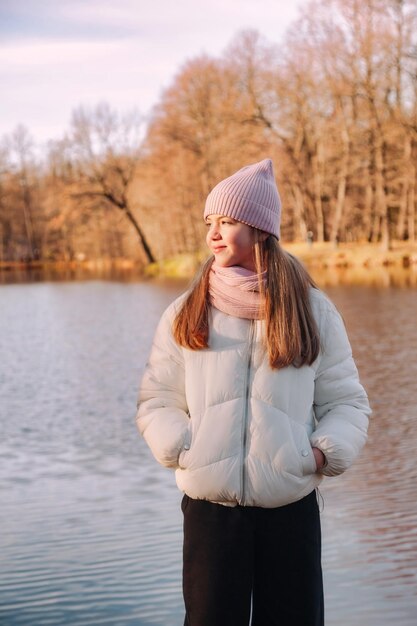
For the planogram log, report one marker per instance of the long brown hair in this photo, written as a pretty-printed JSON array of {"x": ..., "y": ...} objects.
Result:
[{"x": 291, "y": 334}]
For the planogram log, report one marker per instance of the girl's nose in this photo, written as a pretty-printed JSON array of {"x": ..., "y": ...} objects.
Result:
[{"x": 214, "y": 232}]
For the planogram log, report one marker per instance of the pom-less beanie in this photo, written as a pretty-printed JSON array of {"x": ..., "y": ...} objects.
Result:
[{"x": 249, "y": 196}]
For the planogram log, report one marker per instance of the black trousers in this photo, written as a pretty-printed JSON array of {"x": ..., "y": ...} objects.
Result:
[{"x": 243, "y": 561}]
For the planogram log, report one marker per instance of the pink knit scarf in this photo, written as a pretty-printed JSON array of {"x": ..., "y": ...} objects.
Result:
[{"x": 235, "y": 291}]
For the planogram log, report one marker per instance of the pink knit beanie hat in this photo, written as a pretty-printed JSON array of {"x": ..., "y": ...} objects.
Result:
[{"x": 249, "y": 196}]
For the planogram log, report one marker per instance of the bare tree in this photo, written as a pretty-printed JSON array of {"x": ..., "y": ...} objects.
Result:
[
  {"x": 21, "y": 148},
  {"x": 105, "y": 150}
]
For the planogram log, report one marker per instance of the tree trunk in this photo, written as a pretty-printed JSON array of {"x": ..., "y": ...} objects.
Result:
[
  {"x": 149, "y": 256},
  {"x": 369, "y": 196},
  {"x": 27, "y": 215},
  {"x": 404, "y": 198},
  {"x": 341, "y": 188},
  {"x": 317, "y": 184},
  {"x": 412, "y": 203},
  {"x": 380, "y": 196},
  {"x": 300, "y": 226}
]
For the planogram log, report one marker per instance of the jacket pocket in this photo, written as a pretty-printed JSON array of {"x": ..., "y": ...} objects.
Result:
[
  {"x": 182, "y": 457},
  {"x": 184, "y": 502},
  {"x": 303, "y": 448}
]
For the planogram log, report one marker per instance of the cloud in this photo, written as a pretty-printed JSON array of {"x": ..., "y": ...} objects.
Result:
[
  {"x": 33, "y": 54},
  {"x": 57, "y": 55},
  {"x": 107, "y": 18}
]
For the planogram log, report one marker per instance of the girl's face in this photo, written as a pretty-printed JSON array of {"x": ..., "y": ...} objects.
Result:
[{"x": 231, "y": 242}]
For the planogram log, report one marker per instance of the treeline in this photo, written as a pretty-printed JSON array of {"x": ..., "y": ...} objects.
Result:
[{"x": 334, "y": 105}]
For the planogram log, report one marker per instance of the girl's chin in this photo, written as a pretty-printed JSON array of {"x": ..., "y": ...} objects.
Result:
[
  {"x": 233, "y": 263},
  {"x": 222, "y": 262}
]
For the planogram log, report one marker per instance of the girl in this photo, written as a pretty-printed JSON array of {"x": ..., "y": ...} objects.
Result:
[{"x": 251, "y": 395}]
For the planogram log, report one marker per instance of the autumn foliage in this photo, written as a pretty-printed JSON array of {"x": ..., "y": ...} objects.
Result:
[{"x": 334, "y": 105}]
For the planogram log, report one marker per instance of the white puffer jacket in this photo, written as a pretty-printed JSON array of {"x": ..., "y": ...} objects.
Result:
[{"x": 238, "y": 432}]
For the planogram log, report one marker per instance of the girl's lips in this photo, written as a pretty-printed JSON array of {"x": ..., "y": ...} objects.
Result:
[{"x": 218, "y": 249}]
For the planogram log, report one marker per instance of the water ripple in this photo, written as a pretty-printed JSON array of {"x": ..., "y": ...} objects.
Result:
[{"x": 91, "y": 526}]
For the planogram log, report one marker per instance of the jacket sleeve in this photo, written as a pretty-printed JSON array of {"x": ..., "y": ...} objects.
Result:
[
  {"x": 162, "y": 416},
  {"x": 340, "y": 402}
]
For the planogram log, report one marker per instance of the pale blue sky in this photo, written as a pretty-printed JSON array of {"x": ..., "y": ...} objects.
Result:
[{"x": 58, "y": 54}]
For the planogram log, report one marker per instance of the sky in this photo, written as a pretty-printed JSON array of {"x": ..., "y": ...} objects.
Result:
[{"x": 56, "y": 55}]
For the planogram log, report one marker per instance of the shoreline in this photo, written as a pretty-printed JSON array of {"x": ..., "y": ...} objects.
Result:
[
  {"x": 90, "y": 265},
  {"x": 350, "y": 259},
  {"x": 355, "y": 255}
]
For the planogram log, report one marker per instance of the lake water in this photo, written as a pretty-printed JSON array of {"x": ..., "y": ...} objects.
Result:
[{"x": 90, "y": 524}]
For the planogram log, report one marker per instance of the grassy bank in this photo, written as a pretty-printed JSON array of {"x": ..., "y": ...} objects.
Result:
[
  {"x": 319, "y": 256},
  {"x": 355, "y": 255}
]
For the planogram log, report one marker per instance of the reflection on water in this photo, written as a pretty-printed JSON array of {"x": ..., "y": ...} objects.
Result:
[
  {"x": 91, "y": 528},
  {"x": 389, "y": 276},
  {"x": 382, "y": 276},
  {"x": 66, "y": 273},
  {"x": 374, "y": 555}
]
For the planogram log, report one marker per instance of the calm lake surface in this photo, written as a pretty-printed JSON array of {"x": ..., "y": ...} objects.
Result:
[{"x": 90, "y": 524}]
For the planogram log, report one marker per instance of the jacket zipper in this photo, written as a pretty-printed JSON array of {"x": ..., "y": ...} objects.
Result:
[{"x": 246, "y": 410}]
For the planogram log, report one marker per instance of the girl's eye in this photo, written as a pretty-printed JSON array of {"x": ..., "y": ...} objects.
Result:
[{"x": 221, "y": 222}]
